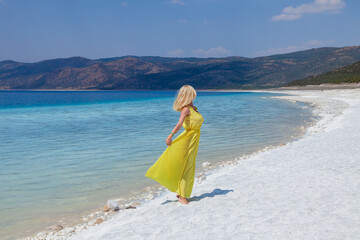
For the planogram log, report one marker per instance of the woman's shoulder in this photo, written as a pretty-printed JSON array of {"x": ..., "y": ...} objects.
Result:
[{"x": 186, "y": 109}]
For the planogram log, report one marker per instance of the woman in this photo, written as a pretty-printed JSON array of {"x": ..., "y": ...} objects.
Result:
[{"x": 175, "y": 168}]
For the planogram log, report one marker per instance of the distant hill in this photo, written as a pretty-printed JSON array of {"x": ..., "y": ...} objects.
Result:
[
  {"x": 347, "y": 74},
  {"x": 133, "y": 72}
]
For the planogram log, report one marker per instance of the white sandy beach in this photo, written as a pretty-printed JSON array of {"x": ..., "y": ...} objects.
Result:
[{"x": 306, "y": 189}]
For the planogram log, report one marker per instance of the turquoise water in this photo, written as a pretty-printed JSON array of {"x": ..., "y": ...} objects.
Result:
[{"x": 63, "y": 153}]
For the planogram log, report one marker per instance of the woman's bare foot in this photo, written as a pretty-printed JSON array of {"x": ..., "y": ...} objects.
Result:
[
  {"x": 183, "y": 200},
  {"x": 177, "y": 195}
]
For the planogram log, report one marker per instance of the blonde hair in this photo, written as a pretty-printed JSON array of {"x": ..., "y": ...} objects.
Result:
[{"x": 185, "y": 95}]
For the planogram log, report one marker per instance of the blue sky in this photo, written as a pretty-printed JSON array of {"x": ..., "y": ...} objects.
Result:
[{"x": 34, "y": 30}]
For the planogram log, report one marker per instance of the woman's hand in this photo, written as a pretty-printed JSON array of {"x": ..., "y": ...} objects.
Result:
[{"x": 168, "y": 140}]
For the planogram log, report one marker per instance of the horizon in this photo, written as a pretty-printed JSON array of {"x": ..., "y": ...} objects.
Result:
[
  {"x": 138, "y": 56},
  {"x": 40, "y": 30}
]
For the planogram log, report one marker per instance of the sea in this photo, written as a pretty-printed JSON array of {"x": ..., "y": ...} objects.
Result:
[{"x": 65, "y": 153}]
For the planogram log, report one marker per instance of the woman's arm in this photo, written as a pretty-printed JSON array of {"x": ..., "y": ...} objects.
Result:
[{"x": 184, "y": 112}]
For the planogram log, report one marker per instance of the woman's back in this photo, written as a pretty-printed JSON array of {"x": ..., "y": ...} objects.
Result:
[{"x": 194, "y": 120}]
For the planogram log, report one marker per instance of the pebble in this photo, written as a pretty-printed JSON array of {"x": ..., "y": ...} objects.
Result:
[
  {"x": 68, "y": 230},
  {"x": 55, "y": 227},
  {"x": 98, "y": 221},
  {"x": 111, "y": 205},
  {"x": 130, "y": 207},
  {"x": 206, "y": 164}
]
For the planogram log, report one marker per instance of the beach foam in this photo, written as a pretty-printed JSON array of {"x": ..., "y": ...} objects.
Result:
[{"x": 306, "y": 189}]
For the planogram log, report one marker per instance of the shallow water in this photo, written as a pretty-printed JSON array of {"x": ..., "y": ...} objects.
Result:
[{"x": 64, "y": 153}]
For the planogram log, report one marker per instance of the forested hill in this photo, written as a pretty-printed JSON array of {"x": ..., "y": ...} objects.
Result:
[
  {"x": 133, "y": 72},
  {"x": 347, "y": 74}
]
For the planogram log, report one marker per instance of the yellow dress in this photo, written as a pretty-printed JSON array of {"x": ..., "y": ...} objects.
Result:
[{"x": 175, "y": 168}]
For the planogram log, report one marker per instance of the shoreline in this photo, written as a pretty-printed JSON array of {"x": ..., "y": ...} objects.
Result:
[
  {"x": 324, "y": 86},
  {"x": 155, "y": 191},
  {"x": 333, "y": 107}
]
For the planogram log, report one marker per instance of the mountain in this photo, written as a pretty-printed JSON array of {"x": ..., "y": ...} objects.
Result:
[
  {"x": 347, "y": 74},
  {"x": 151, "y": 72}
]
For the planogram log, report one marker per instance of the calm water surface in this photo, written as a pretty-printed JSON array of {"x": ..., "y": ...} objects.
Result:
[{"x": 63, "y": 153}]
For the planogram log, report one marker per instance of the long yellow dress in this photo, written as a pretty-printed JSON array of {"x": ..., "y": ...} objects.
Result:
[{"x": 175, "y": 168}]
